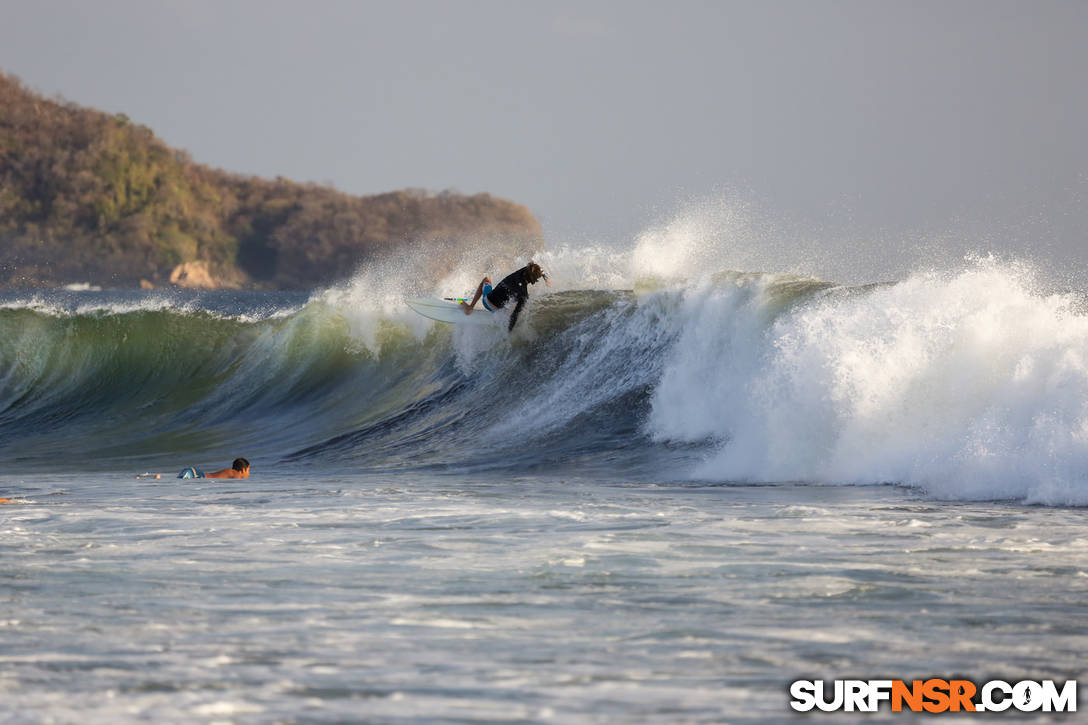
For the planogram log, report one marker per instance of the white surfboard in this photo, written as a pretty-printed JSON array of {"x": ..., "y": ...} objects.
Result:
[{"x": 446, "y": 311}]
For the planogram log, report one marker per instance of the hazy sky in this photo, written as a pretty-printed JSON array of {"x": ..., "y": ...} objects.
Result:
[{"x": 869, "y": 121}]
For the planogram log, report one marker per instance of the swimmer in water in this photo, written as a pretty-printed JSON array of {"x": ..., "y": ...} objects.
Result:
[{"x": 238, "y": 469}]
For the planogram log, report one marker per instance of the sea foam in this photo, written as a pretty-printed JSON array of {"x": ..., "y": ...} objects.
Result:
[{"x": 967, "y": 384}]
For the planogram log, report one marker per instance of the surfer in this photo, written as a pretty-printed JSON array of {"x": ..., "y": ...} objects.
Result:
[
  {"x": 238, "y": 469},
  {"x": 516, "y": 285}
]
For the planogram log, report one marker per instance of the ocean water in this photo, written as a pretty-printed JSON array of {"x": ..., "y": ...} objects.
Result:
[{"x": 671, "y": 492}]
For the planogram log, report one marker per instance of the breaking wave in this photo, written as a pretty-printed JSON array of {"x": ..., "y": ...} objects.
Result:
[{"x": 639, "y": 365}]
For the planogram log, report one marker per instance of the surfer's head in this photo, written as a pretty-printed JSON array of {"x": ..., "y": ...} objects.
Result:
[
  {"x": 240, "y": 465},
  {"x": 535, "y": 272}
]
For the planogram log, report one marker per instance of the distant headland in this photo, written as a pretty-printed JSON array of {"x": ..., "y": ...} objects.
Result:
[{"x": 87, "y": 196}]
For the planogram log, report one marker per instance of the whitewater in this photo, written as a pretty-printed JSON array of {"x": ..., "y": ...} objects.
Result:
[{"x": 679, "y": 485}]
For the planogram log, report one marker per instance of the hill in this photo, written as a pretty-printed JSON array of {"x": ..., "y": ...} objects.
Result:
[{"x": 87, "y": 196}]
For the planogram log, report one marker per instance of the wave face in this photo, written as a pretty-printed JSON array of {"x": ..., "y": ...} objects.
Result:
[{"x": 967, "y": 384}]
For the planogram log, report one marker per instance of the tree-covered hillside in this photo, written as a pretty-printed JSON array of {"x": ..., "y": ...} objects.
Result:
[{"x": 87, "y": 196}]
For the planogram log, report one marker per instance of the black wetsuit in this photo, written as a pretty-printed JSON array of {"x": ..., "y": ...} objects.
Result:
[{"x": 516, "y": 285}]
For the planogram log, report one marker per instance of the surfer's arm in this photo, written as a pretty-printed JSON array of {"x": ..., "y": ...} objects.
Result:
[
  {"x": 515, "y": 313},
  {"x": 228, "y": 473}
]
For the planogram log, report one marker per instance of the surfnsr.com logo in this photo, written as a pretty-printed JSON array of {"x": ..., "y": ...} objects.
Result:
[{"x": 933, "y": 696}]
